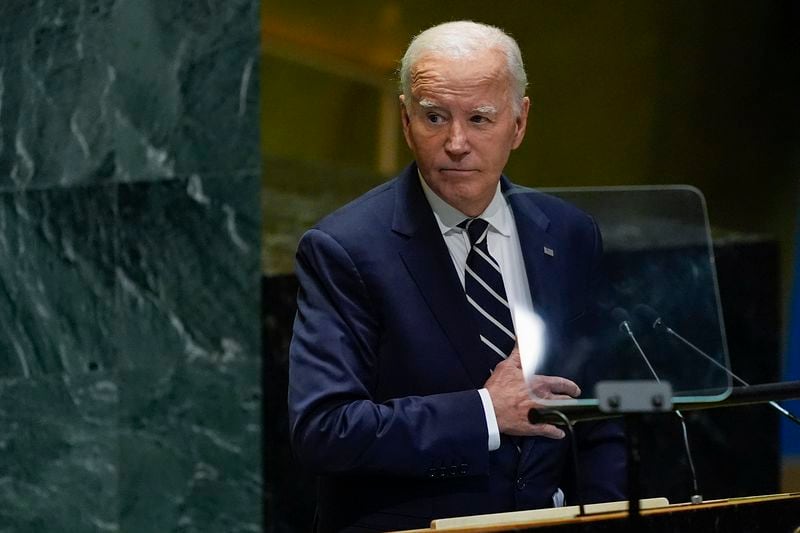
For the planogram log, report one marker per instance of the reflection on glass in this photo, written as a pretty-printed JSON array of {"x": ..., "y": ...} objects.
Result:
[{"x": 656, "y": 272}]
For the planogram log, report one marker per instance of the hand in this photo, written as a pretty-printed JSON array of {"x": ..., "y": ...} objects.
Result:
[{"x": 512, "y": 401}]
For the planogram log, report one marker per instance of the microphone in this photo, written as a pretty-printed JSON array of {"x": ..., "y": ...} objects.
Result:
[
  {"x": 650, "y": 316},
  {"x": 621, "y": 315}
]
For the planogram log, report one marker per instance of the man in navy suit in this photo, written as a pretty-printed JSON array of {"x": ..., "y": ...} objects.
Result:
[{"x": 403, "y": 408}]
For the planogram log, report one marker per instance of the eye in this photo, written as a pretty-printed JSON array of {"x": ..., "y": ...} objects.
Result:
[
  {"x": 478, "y": 119},
  {"x": 434, "y": 118}
]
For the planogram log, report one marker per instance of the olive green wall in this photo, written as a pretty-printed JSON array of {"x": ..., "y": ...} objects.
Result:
[{"x": 323, "y": 117}]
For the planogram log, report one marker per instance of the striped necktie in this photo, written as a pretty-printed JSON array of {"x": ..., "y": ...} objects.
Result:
[{"x": 483, "y": 283}]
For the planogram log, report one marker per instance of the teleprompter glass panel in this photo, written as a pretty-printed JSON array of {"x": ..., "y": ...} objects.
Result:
[{"x": 643, "y": 306}]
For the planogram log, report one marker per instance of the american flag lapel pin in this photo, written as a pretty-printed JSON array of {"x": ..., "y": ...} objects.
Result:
[{"x": 549, "y": 251}]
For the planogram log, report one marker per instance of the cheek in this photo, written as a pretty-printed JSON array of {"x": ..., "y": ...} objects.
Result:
[
  {"x": 426, "y": 141},
  {"x": 500, "y": 147}
]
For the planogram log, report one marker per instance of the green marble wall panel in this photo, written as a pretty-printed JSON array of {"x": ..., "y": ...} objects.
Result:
[
  {"x": 130, "y": 395},
  {"x": 186, "y": 91},
  {"x": 55, "y": 80},
  {"x": 59, "y": 466},
  {"x": 57, "y": 281},
  {"x": 190, "y": 397},
  {"x": 99, "y": 90},
  {"x": 166, "y": 437}
]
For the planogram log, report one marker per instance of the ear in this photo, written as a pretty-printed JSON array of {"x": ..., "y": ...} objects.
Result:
[
  {"x": 406, "y": 121},
  {"x": 521, "y": 123}
]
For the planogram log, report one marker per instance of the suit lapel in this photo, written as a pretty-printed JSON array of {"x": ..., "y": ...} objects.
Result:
[
  {"x": 540, "y": 251},
  {"x": 428, "y": 261}
]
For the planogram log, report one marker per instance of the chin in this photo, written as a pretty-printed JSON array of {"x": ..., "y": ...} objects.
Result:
[{"x": 470, "y": 202}]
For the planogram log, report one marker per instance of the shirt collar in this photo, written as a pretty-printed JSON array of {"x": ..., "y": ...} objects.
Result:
[{"x": 497, "y": 213}]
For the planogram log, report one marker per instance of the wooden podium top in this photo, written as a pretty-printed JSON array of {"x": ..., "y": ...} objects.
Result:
[{"x": 775, "y": 512}]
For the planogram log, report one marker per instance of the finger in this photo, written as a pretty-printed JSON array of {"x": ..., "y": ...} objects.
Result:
[
  {"x": 515, "y": 358},
  {"x": 504, "y": 366},
  {"x": 546, "y": 393},
  {"x": 560, "y": 397},
  {"x": 560, "y": 385},
  {"x": 548, "y": 430}
]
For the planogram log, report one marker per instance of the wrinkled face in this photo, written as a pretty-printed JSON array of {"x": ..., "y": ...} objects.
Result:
[{"x": 461, "y": 125}]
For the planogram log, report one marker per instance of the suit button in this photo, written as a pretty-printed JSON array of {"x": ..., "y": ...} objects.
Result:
[
  {"x": 431, "y": 473},
  {"x": 453, "y": 470},
  {"x": 521, "y": 483},
  {"x": 463, "y": 470}
]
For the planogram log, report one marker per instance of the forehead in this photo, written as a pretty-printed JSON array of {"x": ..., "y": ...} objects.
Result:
[{"x": 436, "y": 73}]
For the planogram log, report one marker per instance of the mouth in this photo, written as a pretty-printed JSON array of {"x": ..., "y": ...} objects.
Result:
[{"x": 458, "y": 171}]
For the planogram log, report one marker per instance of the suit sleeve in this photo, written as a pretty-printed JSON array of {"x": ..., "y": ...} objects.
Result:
[{"x": 336, "y": 426}]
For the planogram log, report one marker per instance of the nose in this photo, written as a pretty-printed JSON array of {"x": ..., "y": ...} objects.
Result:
[{"x": 457, "y": 143}]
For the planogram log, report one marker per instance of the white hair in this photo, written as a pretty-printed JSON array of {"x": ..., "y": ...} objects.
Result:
[{"x": 461, "y": 39}]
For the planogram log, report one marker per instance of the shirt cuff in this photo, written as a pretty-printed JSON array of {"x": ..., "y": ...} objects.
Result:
[
  {"x": 558, "y": 498},
  {"x": 491, "y": 421}
]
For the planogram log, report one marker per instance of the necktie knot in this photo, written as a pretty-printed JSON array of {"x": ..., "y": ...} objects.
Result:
[{"x": 476, "y": 229}]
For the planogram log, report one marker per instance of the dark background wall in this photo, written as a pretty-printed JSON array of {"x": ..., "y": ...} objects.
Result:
[{"x": 130, "y": 395}]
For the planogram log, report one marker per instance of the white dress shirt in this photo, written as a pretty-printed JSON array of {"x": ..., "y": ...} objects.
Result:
[{"x": 503, "y": 242}]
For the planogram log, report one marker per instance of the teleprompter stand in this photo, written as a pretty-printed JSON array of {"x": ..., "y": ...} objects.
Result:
[{"x": 632, "y": 399}]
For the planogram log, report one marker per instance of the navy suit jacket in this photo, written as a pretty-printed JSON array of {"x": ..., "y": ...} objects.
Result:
[{"x": 385, "y": 365}]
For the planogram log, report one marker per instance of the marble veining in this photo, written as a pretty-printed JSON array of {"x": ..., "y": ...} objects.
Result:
[
  {"x": 157, "y": 281},
  {"x": 59, "y": 461},
  {"x": 190, "y": 375},
  {"x": 126, "y": 90},
  {"x": 57, "y": 289}
]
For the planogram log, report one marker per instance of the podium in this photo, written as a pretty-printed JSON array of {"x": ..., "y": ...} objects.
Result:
[{"x": 753, "y": 514}]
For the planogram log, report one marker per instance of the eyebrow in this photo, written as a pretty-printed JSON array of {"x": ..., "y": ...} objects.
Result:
[{"x": 488, "y": 109}]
